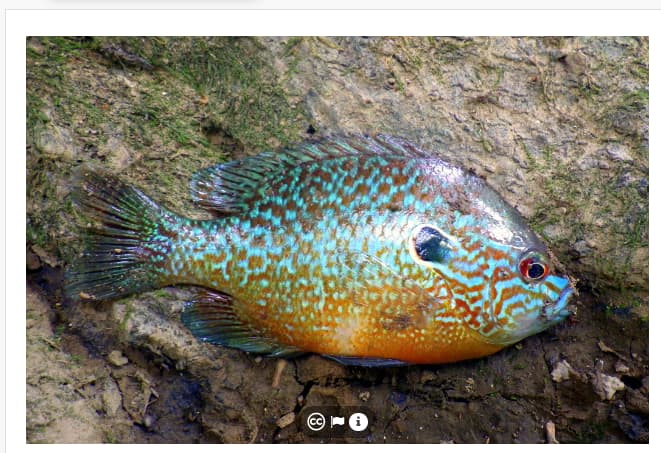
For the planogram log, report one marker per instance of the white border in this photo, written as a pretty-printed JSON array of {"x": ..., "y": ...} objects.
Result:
[
  {"x": 329, "y": 22},
  {"x": 334, "y": 4}
]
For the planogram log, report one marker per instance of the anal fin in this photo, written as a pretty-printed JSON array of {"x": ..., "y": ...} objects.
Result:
[
  {"x": 367, "y": 361},
  {"x": 211, "y": 318}
]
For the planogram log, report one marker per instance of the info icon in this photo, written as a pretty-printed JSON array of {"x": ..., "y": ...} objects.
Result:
[{"x": 358, "y": 421}]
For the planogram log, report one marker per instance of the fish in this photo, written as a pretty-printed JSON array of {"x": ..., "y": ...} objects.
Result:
[{"x": 365, "y": 249}]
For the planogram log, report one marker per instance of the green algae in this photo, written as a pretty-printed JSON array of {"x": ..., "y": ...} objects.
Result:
[{"x": 164, "y": 113}]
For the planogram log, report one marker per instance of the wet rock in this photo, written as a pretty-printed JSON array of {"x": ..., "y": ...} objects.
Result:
[
  {"x": 286, "y": 420},
  {"x": 562, "y": 371},
  {"x": 549, "y": 429},
  {"x": 148, "y": 421},
  {"x": 117, "y": 359},
  {"x": 606, "y": 386},
  {"x": 111, "y": 398}
]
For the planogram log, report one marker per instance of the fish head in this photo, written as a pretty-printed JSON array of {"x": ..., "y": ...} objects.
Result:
[
  {"x": 503, "y": 291},
  {"x": 523, "y": 296}
]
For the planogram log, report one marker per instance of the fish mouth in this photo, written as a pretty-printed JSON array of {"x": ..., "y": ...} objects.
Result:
[{"x": 562, "y": 307}]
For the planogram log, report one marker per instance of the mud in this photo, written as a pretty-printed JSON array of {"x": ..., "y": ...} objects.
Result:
[{"x": 557, "y": 125}]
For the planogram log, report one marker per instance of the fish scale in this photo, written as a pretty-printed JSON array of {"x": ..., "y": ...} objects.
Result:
[{"x": 369, "y": 250}]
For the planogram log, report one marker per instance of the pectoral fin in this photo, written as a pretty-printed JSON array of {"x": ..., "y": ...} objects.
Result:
[{"x": 211, "y": 318}]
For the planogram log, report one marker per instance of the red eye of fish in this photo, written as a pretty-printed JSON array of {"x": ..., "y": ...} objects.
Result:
[{"x": 533, "y": 268}]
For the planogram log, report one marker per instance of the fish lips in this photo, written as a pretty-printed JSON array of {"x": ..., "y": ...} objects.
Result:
[{"x": 562, "y": 307}]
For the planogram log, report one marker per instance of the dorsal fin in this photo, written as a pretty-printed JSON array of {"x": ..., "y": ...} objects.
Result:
[{"x": 227, "y": 188}]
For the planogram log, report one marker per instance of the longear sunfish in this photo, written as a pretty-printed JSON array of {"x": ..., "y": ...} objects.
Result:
[{"x": 371, "y": 251}]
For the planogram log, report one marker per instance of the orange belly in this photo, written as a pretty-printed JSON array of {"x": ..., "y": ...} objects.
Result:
[{"x": 344, "y": 328}]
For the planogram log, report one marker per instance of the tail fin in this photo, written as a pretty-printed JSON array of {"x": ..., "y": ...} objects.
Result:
[{"x": 127, "y": 250}]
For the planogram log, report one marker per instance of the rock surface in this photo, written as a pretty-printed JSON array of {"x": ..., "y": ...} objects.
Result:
[{"x": 559, "y": 126}]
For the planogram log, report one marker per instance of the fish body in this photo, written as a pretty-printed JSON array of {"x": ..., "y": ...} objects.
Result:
[{"x": 371, "y": 251}]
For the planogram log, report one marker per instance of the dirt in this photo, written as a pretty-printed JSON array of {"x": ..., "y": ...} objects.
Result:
[{"x": 558, "y": 125}]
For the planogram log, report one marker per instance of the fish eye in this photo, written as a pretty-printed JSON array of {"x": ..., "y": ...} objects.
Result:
[{"x": 533, "y": 267}]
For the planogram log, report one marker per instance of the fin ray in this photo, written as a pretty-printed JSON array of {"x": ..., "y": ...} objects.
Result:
[
  {"x": 119, "y": 259},
  {"x": 211, "y": 318},
  {"x": 367, "y": 361},
  {"x": 229, "y": 187}
]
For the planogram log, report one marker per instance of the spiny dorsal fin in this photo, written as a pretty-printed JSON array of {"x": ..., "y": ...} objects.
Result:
[
  {"x": 211, "y": 318},
  {"x": 228, "y": 188}
]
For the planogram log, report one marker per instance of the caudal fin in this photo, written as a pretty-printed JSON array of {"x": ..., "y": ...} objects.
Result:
[{"x": 128, "y": 244}]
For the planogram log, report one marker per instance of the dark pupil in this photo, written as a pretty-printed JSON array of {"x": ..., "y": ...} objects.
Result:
[
  {"x": 535, "y": 270},
  {"x": 430, "y": 245}
]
